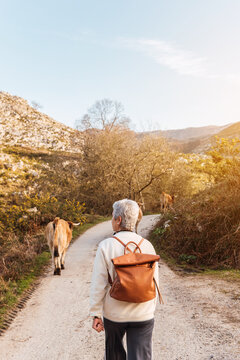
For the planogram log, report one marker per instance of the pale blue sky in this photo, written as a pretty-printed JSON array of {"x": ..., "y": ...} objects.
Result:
[{"x": 171, "y": 63}]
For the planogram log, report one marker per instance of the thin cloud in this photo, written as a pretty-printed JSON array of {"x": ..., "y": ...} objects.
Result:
[{"x": 182, "y": 61}]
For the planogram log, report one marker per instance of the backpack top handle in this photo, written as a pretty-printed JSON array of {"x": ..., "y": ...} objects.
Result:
[{"x": 137, "y": 246}]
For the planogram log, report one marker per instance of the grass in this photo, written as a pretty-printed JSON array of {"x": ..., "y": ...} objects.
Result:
[
  {"x": 11, "y": 292},
  {"x": 225, "y": 274}
]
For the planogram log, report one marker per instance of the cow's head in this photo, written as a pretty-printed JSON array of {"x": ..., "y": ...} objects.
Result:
[{"x": 71, "y": 224}]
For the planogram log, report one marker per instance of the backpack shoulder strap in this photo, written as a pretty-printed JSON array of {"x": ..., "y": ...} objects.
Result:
[
  {"x": 109, "y": 276},
  {"x": 159, "y": 294},
  {"x": 119, "y": 240},
  {"x": 127, "y": 248}
]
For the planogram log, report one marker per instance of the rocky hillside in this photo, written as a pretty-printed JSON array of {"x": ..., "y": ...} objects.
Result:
[{"x": 22, "y": 125}]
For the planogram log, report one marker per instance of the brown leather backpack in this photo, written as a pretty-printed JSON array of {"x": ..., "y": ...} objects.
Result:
[{"x": 135, "y": 275}]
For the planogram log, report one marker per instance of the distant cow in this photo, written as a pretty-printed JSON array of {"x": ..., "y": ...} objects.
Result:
[
  {"x": 140, "y": 215},
  {"x": 166, "y": 201},
  {"x": 59, "y": 234}
]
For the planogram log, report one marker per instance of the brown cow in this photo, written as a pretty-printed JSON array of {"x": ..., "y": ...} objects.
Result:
[
  {"x": 166, "y": 201},
  {"x": 140, "y": 215},
  {"x": 59, "y": 234}
]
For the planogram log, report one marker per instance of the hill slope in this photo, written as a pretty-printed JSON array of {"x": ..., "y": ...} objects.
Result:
[
  {"x": 230, "y": 131},
  {"x": 21, "y": 124}
]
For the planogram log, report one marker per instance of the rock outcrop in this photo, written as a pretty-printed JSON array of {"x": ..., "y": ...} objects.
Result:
[{"x": 22, "y": 125}]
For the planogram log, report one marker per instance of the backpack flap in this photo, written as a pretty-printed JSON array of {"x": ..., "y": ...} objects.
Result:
[{"x": 135, "y": 259}]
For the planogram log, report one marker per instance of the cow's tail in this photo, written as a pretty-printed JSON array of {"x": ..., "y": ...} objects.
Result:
[{"x": 55, "y": 239}]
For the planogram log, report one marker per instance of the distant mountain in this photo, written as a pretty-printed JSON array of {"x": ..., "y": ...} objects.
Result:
[
  {"x": 197, "y": 139},
  {"x": 190, "y": 133},
  {"x": 22, "y": 125},
  {"x": 193, "y": 132}
]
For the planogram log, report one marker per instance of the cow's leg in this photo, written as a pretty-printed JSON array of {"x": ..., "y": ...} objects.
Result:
[
  {"x": 163, "y": 207},
  {"x": 57, "y": 265},
  {"x": 51, "y": 251},
  {"x": 53, "y": 259},
  {"x": 63, "y": 259}
]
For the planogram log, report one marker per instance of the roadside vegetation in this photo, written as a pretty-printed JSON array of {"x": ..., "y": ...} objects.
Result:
[{"x": 204, "y": 229}]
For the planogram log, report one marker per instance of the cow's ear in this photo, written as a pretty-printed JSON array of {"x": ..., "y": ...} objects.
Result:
[{"x": 70, "y": 225}]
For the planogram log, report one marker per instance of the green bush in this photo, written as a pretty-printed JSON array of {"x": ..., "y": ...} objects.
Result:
[{"x": 190, "y": 259}]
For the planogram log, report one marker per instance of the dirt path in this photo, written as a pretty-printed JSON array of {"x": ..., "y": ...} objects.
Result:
[{"x": 200, "y": 319}]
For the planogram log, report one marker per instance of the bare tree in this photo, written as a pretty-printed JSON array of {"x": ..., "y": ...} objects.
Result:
[
  {"x": 105, "y": 115},
  {"x": 119, "y": 164}
]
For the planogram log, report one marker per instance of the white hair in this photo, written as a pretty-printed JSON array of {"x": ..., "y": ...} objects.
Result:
[{"x": 129, "y": 211}]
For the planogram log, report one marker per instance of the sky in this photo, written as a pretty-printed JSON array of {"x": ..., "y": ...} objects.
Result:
[{"x": 171, "y": 63}]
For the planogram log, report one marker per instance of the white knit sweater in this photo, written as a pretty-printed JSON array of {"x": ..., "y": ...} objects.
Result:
[{"x": 101, "y": 303}]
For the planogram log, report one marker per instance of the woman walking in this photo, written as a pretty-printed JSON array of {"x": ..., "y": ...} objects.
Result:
[{"x": 117, "y": 318}]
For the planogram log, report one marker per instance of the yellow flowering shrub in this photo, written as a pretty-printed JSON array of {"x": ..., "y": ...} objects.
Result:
[{"x": 38, "y": 210}]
